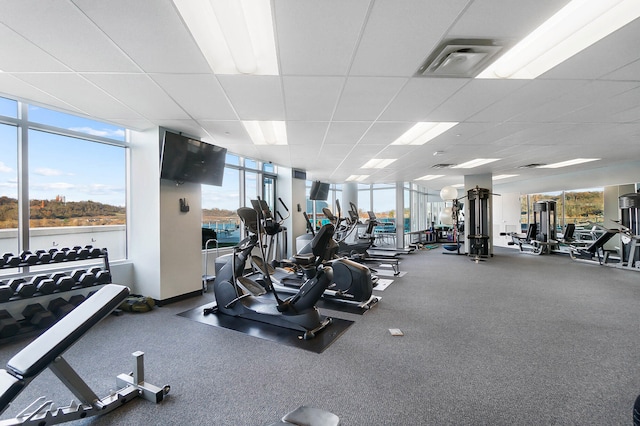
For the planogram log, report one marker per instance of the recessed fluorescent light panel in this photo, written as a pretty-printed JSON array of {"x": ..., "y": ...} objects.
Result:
[
  {"x": 575, "y": 27},
  {"x": 235, "y": 37},
  {"x": 378, "y": 163},
  {"x": 266, "y": 132},
  {"x": 357, "y": 178},
  {"x": 422, "y": 133},
  {"x": 475, "y": 163},
  {"x": 458, "y": 185},
  {"x": 429, "y": 177},
  {"x": 500, "y": 177},
  {"x": 568, "y": 163}
]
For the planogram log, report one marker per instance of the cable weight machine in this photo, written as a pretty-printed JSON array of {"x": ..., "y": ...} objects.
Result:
[{"x": 479, "y": 223}]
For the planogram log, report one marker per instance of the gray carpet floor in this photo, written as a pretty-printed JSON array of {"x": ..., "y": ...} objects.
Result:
[{"x": 513, "y": 340}]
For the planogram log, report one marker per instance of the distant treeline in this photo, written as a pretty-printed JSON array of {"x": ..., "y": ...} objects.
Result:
[{"x": 60, "y": 210}]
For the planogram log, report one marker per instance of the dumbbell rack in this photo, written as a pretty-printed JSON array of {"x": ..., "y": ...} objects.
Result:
[{"x": 45, "y": 288}]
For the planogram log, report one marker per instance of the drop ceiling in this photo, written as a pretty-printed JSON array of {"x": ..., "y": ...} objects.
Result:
[{"x": 347, "y": 87}]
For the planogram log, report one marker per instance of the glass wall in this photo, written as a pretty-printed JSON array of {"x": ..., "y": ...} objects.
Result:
[
  {"x": 581, "y": 207},
  {"x": 244, "y": 180},
  {"x": 73, "y": 172},
  {"x": 8, "y": 188},
  {"x": 219, "y": 205}
]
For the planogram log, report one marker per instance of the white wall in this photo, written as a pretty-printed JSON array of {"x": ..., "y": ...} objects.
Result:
[
  {"x": 164, "y": 243},
  {"x": 144, "y": 212},
  {"x": 180, "y": 239},
  {"x": 506, "y": 217}
]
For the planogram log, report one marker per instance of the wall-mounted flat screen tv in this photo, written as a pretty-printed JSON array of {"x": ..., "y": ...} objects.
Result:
[
  {"x": 319, "y": 191},
  {"x": 189, "y": 160}
]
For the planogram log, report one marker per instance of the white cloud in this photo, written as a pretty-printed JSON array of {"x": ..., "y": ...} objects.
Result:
[
  {"x": 4, "y": 168},
  {"x": 45, "y": 171},
  {"x": 105, "y": 133}
]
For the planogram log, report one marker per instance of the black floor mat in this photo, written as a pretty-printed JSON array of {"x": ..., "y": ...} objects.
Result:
[{"x": 270, "y": 332}]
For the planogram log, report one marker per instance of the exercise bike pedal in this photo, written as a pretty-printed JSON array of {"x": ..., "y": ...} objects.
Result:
[{"x": 211, "y": 310}]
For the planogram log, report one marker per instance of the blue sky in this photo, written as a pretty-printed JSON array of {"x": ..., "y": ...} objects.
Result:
[{"x": 65, "y": 166}]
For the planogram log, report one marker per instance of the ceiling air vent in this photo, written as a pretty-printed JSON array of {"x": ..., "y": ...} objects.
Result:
[
  {"x": 462, "y": 58},
  {"x": 532, "y": 166},
  {"x": 442, "y": 166}
]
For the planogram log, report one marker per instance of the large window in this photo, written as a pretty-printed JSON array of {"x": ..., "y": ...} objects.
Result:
[
  {"x": 580, "y": 207},
  {"x": 75, "y": 170},
  {"x": 75, "y": 184},
  {"x": 8, "y": 189},
  {"x": 220, "y": 203}
]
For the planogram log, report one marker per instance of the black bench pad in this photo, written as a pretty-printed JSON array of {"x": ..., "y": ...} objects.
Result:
[{"x": 37, "y": 356}]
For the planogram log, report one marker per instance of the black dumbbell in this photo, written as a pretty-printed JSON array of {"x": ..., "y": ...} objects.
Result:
[
  {"x": 44, "y": 284},
  {"x": 29, "y": 258},
  {"x": 6, "y": 293},
  {"x": 103, "y": 277},
  {"x": 8, "y": 325},
  {"x": 38, "y": 316},
  {"x": 76, "y": 299},
  {"x": 86, "y": 279},
  {"x": 58, "y": 256},
  {"x": 21, "y": 287},
  {"x": 71, "y": 255},
  {"x": 83, "y": 253},
  {"x": 11, "y": 260},
  {"x": 77, "y": 273},
  {"x": 43, "y": 256},
  {"x": 95, "y": 252},
  {"x": 63, "y": 281},
  {"x": 60, "y": 307}
]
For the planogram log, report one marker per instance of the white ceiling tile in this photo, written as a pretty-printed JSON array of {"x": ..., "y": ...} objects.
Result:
[
  {"x": 605, "y": 56},
  {"x": 311, "y": 98},
  {"x": 517, "y": 104},
  {"x": 365, "y": 98},
  {"x": 81, "y": 94},
  {"x": 150, "y": 32},
  {"x": 504, "y": 19},
  {"x": 305, "y": 133},
  {"x": 66, "y": 34},
  {"x": 141, "y": 93},
  {"x": 200, "y": 95},
  {"x": 396, "y": 40},
  {"x": 419, "y": 97},
  {"x": 318, "y": 38},
  {"x": 18, "y": 54},
  {"x": 346, "y": 132},
  {"x": 255, "y": 97},
  {"x": 473, "y": 98},
  {"x": 11, "y": 85}
]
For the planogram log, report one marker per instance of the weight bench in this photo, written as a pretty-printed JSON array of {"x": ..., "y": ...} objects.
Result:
[
  {"x": 47, "y": 350},
  {"x": 596, "y": 248}
]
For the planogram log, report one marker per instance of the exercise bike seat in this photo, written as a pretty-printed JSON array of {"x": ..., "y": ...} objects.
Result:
[{"x": 304, "y": 259}]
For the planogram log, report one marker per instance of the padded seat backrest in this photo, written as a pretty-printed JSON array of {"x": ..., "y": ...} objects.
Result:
[
  {"x": 10, "y": 387},
  {"x": 601, "y": 241},
  {"x": 531, "y": 231},
  {"x": 321, "y": 240},
  {"x": 569, "y": 230},
  {"x": 249, "y": 217}
]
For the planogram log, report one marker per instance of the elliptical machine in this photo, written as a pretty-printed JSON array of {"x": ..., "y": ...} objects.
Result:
[
  {"x": 297, "y": 312},
  {"x": 351, "y": 282}
]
